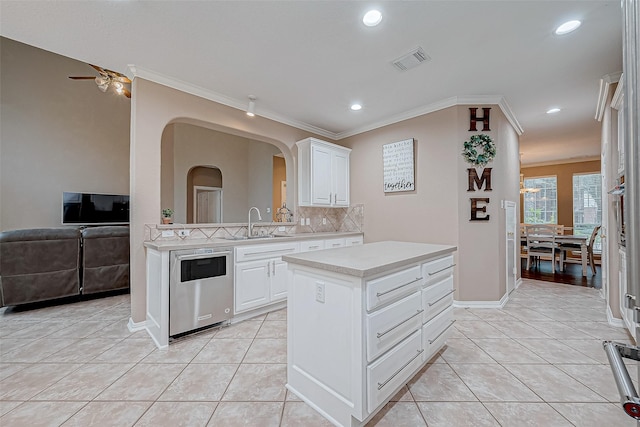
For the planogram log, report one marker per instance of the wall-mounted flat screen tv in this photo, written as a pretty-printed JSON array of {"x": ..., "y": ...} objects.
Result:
[{"x": 93, "y": 209}]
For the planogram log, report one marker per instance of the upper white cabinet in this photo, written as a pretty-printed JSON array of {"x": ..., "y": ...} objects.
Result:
[{"x": 323, "y": 173}]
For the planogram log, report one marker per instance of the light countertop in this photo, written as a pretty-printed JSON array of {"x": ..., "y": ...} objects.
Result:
[
  {"x": 176, "y": 244},
  {"x": 369, "y": 259}
]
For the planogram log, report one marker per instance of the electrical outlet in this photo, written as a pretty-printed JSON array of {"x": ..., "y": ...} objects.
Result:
[
  {"x": 324, "y": 221},
  {"x": 268, "y": 210},
  {"x": 320, "y": 291},
  {"x": 308, "y": 221},
  {"x": 184, "y": 233},
  {"x": 167, "y": 233}
]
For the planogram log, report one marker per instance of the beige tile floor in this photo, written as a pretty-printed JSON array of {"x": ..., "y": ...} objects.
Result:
[{"x": 537, "y": 362}]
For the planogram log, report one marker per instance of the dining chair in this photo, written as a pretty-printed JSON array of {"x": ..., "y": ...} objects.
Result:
[
  {"x": 565, "y": 248},
  {"x": 541, "y": 241}
]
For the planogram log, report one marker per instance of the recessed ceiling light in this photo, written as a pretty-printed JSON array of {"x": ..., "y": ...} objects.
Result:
[
  {"x": 567, "y": 27},
  {"x": 553, "y": 111},
  {"x": 372, "y": 18},
  {"x": 356, "y": 107}
]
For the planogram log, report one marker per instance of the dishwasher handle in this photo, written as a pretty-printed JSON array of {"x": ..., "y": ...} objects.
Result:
[
  {"x": 202, "y": 256},
  {"x": 628, "y": 395}
]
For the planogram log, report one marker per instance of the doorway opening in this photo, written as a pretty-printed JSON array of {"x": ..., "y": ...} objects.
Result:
[{"x": 204, "y": 195}]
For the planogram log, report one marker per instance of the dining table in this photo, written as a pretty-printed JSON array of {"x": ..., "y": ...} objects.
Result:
[
  {"x": 570, "y": 239},
  {"x": 575, "y": 240}
]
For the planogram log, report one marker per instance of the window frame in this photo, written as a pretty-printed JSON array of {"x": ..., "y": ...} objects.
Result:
[{"x": 529, "y": 219}]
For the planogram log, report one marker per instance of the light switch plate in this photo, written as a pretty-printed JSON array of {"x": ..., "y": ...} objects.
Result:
[
  {"x": 308, "y": 221},
  {"x": 324, "y": 221},
  {"x": 320, "y": 291},
  {"x": 167, "y": 233},
  {"x": 281, "y": 228},
  {"x": 184, "y": 233}
]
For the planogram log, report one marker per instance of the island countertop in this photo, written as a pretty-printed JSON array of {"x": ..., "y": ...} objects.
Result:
[{"x": 369, "y": 259}]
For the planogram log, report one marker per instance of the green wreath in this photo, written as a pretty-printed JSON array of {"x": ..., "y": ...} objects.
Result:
[{"x": 471, "y": 154}]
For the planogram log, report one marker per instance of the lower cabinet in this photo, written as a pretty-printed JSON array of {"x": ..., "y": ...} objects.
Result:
[
  {"x": 260, "y": 275},
  {"x": 354, "y": 342}
]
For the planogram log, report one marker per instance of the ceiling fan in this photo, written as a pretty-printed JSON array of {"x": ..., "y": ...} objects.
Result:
[{"x": 108, "y": 78}]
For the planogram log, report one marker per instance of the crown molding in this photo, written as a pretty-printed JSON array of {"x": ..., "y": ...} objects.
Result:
[
  {"x": 141, "y": 72},
  {"x": 603, "y": 93},
  {"x": 201, "y": 92},
  {"x": 441, "y": 105},
  {"x": 618, "y": 95},
  {"x": 561, "y": 161}
]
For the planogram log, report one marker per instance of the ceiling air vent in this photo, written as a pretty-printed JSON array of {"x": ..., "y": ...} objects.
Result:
[{"x": 411, "y": 59}]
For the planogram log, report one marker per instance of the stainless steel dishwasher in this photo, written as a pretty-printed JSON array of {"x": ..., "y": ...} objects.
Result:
[{"x": 200, "y": 288}]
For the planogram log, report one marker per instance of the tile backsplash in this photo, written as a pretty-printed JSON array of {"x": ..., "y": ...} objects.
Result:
[
  {"x": 330, "y": 219},
  {"x": 348, "y": 219}
]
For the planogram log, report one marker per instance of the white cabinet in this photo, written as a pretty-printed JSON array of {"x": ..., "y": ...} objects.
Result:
[
  {"x": 252, "y": 285},
  {"x": 354, "y": 340},
  {"x": 353, "y": 241},
  {"x": 260, "y": 275},
  {"x": 323, "y": 173}
]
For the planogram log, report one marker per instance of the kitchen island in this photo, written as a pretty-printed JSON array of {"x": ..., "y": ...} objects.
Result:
[{"x": 362, "y": 321}]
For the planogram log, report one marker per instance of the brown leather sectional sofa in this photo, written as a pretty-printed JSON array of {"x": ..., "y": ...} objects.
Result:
[{"x": 49, "y": 263}]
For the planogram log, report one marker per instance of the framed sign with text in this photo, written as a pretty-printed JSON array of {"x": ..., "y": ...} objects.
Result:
[{"x": 398, "y": 163}]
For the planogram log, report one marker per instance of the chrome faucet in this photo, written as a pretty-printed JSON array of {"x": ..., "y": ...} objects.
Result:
[{"x": 250, "y": 230}]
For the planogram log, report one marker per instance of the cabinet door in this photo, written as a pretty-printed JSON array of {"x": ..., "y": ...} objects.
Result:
[
  {"x": 320, "y": 175},
  {"x": 278, "y": 279},
  {"x": 252, "y": 284},
  {"x": 340, "y": 175}
]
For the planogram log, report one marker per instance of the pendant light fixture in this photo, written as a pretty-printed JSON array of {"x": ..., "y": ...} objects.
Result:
[{"x": 252, "y": 106}]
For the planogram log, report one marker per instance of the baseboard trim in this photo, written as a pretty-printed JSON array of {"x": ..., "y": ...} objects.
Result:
[
  {"x": 135, "y": 327},
  {"x": 482, "y": 304},
  {"x": 614, "y": 321},
  {"x": 518, "y": 282}
]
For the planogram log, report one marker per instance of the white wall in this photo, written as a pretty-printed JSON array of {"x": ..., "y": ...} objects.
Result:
[{"x": 56, "y": 135}]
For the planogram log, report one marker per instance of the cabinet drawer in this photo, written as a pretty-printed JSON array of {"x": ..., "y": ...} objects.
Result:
[
  {"x": 271, "y": 250},
  {"x": 334, "y": 243},
  {"x": 435, "y": 333},
  {"x": 392, "y": 286},
  {"x": 437, "y": 268},
  {"x": 393, "y": 369},
  {"x": 353, "y": 241},
  {"x": 311, "y": 245},
  {"x": 437, "y": 297},
  {"x": 390, "y": 325}
]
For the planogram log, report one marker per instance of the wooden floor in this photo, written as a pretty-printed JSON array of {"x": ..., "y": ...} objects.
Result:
[{"x": 572, "y": 275}]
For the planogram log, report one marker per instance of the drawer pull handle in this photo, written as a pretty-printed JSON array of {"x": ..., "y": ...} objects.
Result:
[
  {"x": 441, "y": 270},
  {"x": 442, "y": 297},
  {"x": 269, "y": 252},
  {"x": 381, "y": 334},
  {"x": 380, "y": 385},
  {"x": 442, "y": 332},
  {"x": 379, "y": 294}
]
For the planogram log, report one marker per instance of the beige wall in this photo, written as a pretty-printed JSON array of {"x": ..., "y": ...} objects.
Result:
[
  {"x": 56, "y": 135},
  {"x": 564, "y": 173},
  {"x": 153, "y": 107},
  {"x": 482, "y": 244},
  {"x": 438, "y": 210},
  {"x": 246, "y": 167}
]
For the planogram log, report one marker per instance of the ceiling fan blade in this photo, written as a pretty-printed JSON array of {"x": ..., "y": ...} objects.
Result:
[
  {"x": 121, "y": 78},
  {"x": 98, "y": 69},
  {"x": 81, "y": 78}
]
